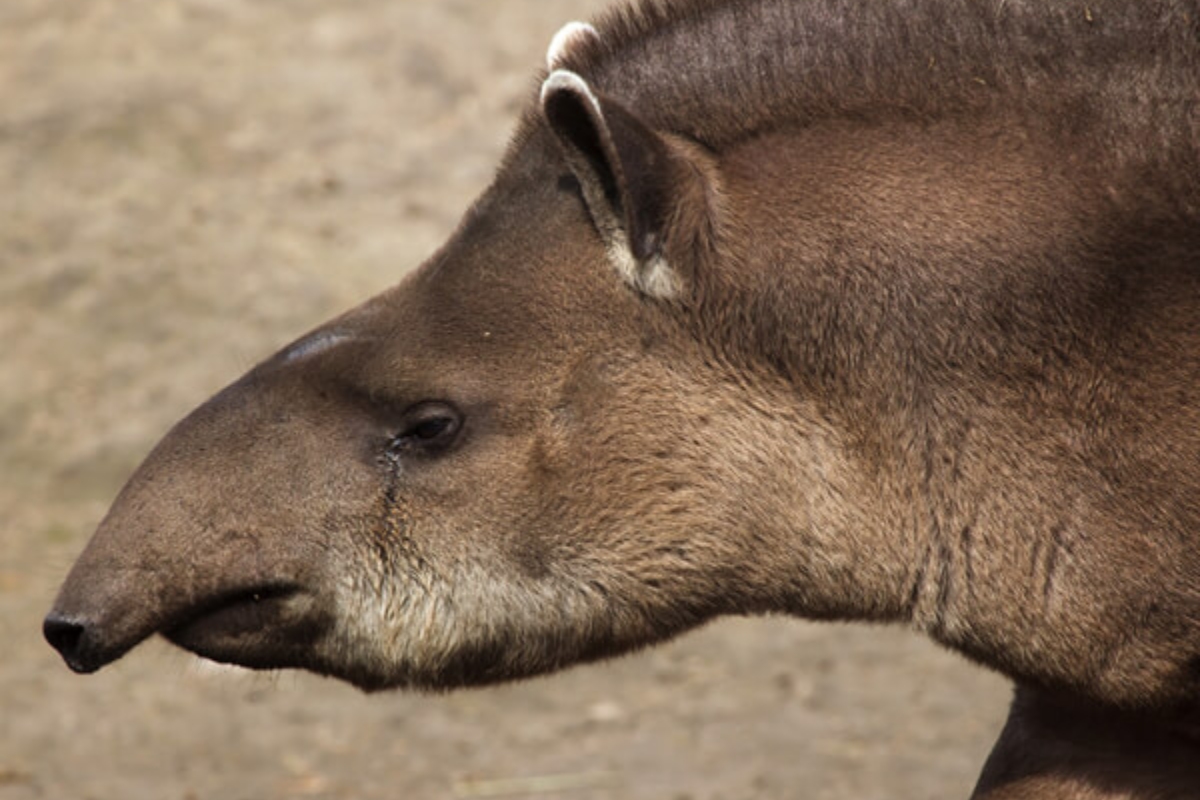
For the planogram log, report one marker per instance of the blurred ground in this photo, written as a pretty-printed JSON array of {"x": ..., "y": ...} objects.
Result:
[{"x": 188, "y": 186}]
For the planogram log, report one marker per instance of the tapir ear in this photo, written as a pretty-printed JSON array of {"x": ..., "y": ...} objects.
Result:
[{"x": 629, "y": 176}]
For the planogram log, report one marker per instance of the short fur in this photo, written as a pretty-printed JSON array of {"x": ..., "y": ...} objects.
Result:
[{"x": 929, "y": 352}]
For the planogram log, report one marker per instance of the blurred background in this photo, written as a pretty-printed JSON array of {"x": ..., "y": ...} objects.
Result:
[{"x": 187, "y": 186}]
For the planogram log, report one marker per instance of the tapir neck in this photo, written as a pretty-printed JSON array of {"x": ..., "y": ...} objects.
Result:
[{"x": 967, "y": 375}]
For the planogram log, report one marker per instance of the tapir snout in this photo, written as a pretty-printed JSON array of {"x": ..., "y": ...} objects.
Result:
[{"x": 193, "y": 548}]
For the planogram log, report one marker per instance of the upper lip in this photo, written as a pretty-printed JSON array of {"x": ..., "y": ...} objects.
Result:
[{"x": 87, "y": 643}]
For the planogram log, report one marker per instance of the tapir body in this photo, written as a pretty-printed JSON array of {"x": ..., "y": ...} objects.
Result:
[{"x": 833, "y": 308}]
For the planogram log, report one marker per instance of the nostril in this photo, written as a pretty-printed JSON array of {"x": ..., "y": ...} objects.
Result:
[{"x": 65, "y": 636}]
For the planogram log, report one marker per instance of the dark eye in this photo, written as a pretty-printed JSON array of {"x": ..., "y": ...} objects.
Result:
[{"x": 427, "y": 427}]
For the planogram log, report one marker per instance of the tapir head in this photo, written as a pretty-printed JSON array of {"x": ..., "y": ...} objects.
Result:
[{"x": 519, "y": 458}]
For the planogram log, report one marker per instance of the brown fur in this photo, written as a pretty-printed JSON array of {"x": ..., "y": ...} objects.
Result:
[{"x": 904, "y": 326}]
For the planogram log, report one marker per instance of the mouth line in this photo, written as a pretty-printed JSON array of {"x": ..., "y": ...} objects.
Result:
[{"x": 240, "y": 608}]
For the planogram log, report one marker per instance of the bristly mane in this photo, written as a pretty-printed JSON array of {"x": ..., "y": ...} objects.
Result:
[{"x": 720, "y": 70}]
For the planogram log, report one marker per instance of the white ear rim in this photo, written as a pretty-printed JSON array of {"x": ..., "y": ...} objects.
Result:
[
  {"x": 566, "y": 38},
  {"x": 566, "y": 80}
]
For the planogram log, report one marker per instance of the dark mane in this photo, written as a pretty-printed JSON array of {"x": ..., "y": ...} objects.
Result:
[{"x": 720, "y": 70}]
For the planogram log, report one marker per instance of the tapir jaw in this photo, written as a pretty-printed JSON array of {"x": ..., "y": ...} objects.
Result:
[{"x": 270, "y": 627}]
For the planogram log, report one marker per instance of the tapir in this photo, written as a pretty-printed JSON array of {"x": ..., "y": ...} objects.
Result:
[{"x": 841, "y": 309}]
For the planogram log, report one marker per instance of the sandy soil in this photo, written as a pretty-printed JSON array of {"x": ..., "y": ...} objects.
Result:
[{"x": 189, "y": 185}]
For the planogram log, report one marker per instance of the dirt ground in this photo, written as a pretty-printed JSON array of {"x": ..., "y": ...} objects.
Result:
[{"x": 188, "y": 186}]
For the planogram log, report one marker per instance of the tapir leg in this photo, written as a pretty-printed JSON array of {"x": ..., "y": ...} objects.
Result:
[{"x": 1055, "y": 749}]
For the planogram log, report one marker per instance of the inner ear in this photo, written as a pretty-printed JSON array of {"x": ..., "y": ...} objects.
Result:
[
  {"x": 648, "y": 179},
  {"x": 630, "y": 178},
  {"x": 577, "y": 121}
]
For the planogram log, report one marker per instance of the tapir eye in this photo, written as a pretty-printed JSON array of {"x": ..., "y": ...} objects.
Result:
[{"x": 427, "y": 427}]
